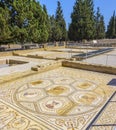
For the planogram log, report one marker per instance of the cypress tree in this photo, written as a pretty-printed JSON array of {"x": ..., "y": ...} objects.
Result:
[
  {"x": 60, "y": 23},
  {"x": 111, "y": 29},
  {"x": 100, "y": 25},
  {"x": 82, "y": 21},
  {"x": 75, "y": 28},
  {"x": 42, "y": 24},
  {"x": 55, "y": 31},
  {"x": 52, "y": 27},
  {"x": 47, "y": 20},
  {"x": 90, "y": 23}
]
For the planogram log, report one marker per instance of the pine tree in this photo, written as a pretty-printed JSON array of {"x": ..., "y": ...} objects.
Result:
[{"x": 111, "y": 29}]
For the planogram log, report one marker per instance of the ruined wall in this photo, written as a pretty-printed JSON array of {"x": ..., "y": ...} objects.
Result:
[
  {"x": 5, "y": 54},
  {"x": 91, "y": 67}
]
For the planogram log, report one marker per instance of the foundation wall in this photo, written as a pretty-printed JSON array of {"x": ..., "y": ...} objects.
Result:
[
  {"x": 10, "y": 61},
  {"x": 19, "y": 52},
  {"x": 77, "y": 47},
  {"x": 53, "y": 48},
  {"x": 16, "y": 62},
  {"x": 5, "y": 54},
  {"x": 47, "y": 67},
  {"x": 2, "y": 62},
  {"x": 91, "y": 67}
]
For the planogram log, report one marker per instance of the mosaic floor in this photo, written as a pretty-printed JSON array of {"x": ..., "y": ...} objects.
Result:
[{"x": 59, "y": 99}]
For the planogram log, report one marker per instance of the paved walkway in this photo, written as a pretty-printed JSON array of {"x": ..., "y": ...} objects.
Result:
[{"x": 104, "y": 59}]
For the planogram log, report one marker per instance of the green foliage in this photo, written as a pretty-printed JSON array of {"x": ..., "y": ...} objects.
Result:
[
  {"x": 100, "y": 26},
  {"x": 26, "y": 21},
  {"x": 47, "y": 23},
  {"x": 111, "y": 29},
  {"x": 37, "y": 23},
  {"x": 60, "y": 23},
  {"x": 58, "y": 30},
  {"x": 55, "y": 31},
  {"x": 5, "y": 31},
  {"x": 19, "y": 14},
  {"x": 83, "y": 24}
]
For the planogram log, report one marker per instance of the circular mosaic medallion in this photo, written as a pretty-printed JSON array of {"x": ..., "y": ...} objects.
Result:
[{"x": 63, "y": 96}]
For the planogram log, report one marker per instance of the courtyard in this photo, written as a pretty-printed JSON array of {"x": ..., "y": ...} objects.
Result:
[
  {"x": 60, "y": 98},
  {"x": 57, "y": 65}
]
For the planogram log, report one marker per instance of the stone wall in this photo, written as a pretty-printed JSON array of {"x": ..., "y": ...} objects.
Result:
[
  {"x": 47, "y": 67},
  {"x": 91, "y": 67},
  {"x": 10, "y": 61},
  {"x": 48, "y": 48},
  {"x": 5, "y": 54},
  {"x": 19, "y": 52},
  {"x": 2, "y": 62}
]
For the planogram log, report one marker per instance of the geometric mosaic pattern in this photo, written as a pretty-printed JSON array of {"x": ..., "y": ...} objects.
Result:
[
  {"x": 10, "y": 119},
  {"x": 60, "y": 99},
  {"x": 61, "y": 96},
  {"x": 106, "y": 118}
]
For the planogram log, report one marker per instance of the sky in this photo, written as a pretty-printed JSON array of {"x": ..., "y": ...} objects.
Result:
[{"x": 107, "y": 8}]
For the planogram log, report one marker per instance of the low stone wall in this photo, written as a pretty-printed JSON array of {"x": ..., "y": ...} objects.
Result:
[
  {"x": 81, "y": 48},
  {"x": 48, "y": 48},
  {"x": 91, "y": 67},
  {"x": 10, "y": 61},
  {"x": 5, "y": 54},
  {"x": 19, "y": 52},
  {"x": 47, "y": 67},
  {"x": 2, "y": 62},
  {"x": 35, "y": 56},
  {"x": 15, "y": 76}
]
